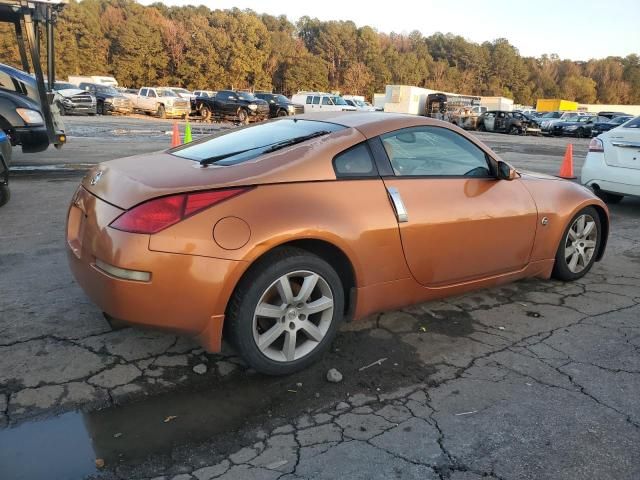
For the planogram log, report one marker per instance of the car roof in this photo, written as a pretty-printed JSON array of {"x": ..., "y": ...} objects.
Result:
[{"x": 372, "y": 124}]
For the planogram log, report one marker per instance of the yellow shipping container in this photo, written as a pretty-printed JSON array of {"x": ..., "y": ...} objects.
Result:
[{"x": 552, "y": 104}]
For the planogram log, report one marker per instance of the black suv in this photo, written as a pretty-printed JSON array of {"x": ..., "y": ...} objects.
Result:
[
  {"x": 108, "y": 99},
  {"x": 279, "y": 105},
  {"x": 241, "y": 107},
  {"x": 20, "y": 114}
]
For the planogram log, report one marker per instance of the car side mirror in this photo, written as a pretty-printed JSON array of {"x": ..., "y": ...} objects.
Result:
[{"x": 506, "y": 171}]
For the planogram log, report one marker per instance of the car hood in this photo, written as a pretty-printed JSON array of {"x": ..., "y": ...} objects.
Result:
[
  {"x": 69, "y": 92},
  {"x": 129, "y": 181}
]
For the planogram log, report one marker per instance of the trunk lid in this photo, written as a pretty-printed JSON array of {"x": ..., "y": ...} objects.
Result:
[{"x": 624, "y": 148}]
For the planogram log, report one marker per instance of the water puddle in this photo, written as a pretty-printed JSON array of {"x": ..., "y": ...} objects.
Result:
[{"x": 170, "y": 427}]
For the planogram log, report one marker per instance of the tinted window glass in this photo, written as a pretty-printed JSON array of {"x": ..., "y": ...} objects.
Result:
[
  {"x": 252, "y": 140},
  {"x": 316, "y": 100},
  {"x": 355, "y": 162},
  {"x": 143, "y": 92},
  {"x": 434, "y": 151},
  {"x": 635, "y": 123},
  {"x": 326, "y": 101},
  {"x": 309, "y": 98}
]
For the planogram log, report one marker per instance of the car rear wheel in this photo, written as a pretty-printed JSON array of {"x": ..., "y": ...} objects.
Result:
[
  {"x": 285, "y": 312},
  {"x": 161, "y": 112},
  {"x": 481, "y": 127},
  {"x": 5, "y": 194},
  {"x": 579, "y": 246}
]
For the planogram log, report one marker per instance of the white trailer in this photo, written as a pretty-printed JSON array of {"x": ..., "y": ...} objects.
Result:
[{"x": 497, "y": 103}]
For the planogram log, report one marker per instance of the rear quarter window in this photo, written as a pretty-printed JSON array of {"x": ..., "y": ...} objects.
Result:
[{"x": 355, "y": 162}]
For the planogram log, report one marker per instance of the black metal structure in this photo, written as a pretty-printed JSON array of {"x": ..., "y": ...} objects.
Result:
[{"x": 29, "y": 19}]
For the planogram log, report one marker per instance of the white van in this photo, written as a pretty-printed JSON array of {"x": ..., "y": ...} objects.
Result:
[{"x": 321, "y": 102}]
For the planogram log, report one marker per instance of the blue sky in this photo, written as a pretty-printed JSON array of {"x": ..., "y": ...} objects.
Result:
[{"x": 575, "y": 29}]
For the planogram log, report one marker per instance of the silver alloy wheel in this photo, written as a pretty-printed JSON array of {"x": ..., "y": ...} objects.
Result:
[
  {"x": 580, "y": 244},
  {"x": 293, "y": 315}
]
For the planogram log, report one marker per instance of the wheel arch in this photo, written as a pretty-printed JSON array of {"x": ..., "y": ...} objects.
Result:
[
  {"x": 329, "y": 252},
  {"x": 604, "y": 224}
]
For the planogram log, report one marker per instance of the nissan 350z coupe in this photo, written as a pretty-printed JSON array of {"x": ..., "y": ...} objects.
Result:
[{"x": 273, "y": 234}]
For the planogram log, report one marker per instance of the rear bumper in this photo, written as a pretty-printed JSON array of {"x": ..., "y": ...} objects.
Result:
[
  {"x": 596, "y": 173},
  {"x": 184, "y": 293}
]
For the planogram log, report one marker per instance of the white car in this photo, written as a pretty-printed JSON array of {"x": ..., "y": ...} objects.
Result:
[
  {"x": 321, "y": 102},
  {"x": 612, "y": 166}
]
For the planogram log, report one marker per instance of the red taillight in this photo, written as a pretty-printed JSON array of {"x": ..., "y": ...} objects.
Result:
[
  {"x": 157, "y": 214},
  {"x": 596, "y": 145}
]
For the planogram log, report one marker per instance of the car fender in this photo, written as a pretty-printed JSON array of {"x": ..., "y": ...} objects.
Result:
[{"x": 558, "y": 201}]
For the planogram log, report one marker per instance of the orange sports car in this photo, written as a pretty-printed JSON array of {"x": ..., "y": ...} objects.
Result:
[{"x": 273, "y": 234}]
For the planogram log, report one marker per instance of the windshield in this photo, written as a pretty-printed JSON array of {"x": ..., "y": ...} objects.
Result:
[
  {"x": 282, "y": 99},
  {"x": 246, "y": 96},
  {"x": 165, "y": 92},
  {"x": 635, "y": 123},
  {"x": 619, "y": 120},
  {"x": 550, "y": 115},
  {"x": 107, "y": 90},
  {"x": 181, "y": 90},
  {"x": 251, "y": 141},
  {"x": 338, "y": 101},
  {"x": 359, "y": 103},
  {"x": 63, "y": 86}
]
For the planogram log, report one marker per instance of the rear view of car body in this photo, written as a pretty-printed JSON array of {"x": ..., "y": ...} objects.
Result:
[{"x": 612, "y": 165}]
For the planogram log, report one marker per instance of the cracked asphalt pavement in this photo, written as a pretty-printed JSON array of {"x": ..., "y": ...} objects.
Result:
[{"x": 532, "y": 380}]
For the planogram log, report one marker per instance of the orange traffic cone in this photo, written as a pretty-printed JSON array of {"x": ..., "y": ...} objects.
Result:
[
  {"x": 175, "y": 136},
  {"x": 566, "y": 169}
]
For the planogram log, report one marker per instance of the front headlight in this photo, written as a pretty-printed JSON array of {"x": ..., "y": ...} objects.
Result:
[
  {"x": 291, "y": 108},
  {"x": 67, "y": 101},
  {"x": 30, "y": 117},
  {"x": 108, "y": 100},
  {"x": 252, "y": 106}
]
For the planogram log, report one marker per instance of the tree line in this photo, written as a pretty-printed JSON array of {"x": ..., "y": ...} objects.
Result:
[{"x": 199, "y": 48}]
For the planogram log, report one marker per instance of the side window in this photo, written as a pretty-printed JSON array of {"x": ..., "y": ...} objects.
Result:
[
  {"x": 326, "y": 101},
  {"x": 434, "y": 151},
  {"x": 143, "y": 92},
  {"x": 316, "y": 100},
  {"x": 309, "y": 98},
  {"x": 152, "y": 93},
  {"x": 354, "y": 162}
]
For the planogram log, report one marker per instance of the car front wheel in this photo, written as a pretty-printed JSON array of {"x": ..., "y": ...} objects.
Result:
[
  {"x": 579, "y": 246},
  {"x": 285, "y": 312}
]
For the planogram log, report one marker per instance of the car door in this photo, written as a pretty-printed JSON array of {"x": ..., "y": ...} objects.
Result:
[
  {"x": 500, "y": 122},
  {"x": 489, "y": 121},
  {"x": 457, "y": 221}
]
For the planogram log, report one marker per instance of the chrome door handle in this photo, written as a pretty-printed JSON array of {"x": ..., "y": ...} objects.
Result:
[{"x": 398, "y": 205}]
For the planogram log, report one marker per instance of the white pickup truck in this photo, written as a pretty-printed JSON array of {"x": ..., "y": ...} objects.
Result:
[{"x": 162, "y": 102}]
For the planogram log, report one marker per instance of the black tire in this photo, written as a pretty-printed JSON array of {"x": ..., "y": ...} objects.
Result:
[
  {"x": 561, "y": 270},
  {"x": 281, "y": 113},
  {"x": 100, "y": 108},
  {"x": 580, "y": 133},
  {"x": 5, "y": 194},
  {"x": 243, "y": 116},
  {"x": 161, "y": 112},
  {"x": 481, "y": 127},
  {"x": 608, "y": 197},
  {"x": 205, "y": 113},
  {"x": 239, "y": 324}
]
